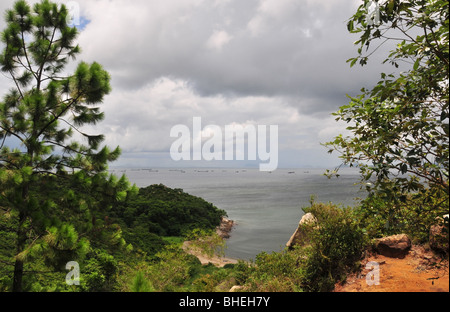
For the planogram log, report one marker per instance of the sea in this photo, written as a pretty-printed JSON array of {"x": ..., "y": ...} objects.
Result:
[{"x": 266, "y": 206}]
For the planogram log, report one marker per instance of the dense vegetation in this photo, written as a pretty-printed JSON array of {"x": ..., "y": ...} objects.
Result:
[
  {"x": 334, "y": 247},
  {"x": 126, "y": 237},
  {"x": 172, "y": 213},
  {"x": 158, "y": 211}
]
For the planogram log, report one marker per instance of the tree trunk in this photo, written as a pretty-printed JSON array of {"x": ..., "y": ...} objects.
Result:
[
  {"x": 18, "y": 266},
  {"x": 18, "y": 274},
  {"x": 22, "y": 232}
]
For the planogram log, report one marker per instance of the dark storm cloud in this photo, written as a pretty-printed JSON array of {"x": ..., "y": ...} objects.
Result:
[{"x": 295, "y": 51}]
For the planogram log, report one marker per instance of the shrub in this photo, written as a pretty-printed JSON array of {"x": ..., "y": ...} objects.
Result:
[
  {"x": 336, "y": 245},
  {"x": 413, "y": 215},
  {"x": 99, "y": 272},
  {"x": 172, "y": 270},
  {"x": 140, "y": 284},
  {"x": 275, "y": 272}
]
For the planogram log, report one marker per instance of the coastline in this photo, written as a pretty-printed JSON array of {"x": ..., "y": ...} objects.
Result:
[
  {"x": 223, "y": 230},
  {"x": 205, "y": 259}
]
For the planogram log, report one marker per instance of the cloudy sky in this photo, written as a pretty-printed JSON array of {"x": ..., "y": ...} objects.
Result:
[{"x": 245, "y": 62}]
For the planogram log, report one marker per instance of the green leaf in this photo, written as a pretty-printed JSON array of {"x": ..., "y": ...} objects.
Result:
[
  {"x": 416, "y": 64},
  {"x": 352, "y": 61},
  {"x": 390, "y": 6},
  {"x": 350, "y": 26}
]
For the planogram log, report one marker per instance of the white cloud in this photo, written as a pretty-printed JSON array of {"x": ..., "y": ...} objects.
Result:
[
  {"x": 269, "y": 11},
  {"x": 218, "y": 39}
]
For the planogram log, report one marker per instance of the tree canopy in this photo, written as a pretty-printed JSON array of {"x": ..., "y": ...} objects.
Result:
[{"x": 400, "y": 128}]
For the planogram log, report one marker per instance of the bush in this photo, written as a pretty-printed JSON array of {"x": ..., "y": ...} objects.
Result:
[
  {"x": 99, "y": 272},
  {"x": 333, "y": 247},
  {"x": 218, "y": 279},
  {"x": 140, "y": 284},
  {"x": 336, "y": 245},
  {"x": 277, "y": 272},
  {"x": 173, "y": 268},
  {"x": 412, "y": 214}
]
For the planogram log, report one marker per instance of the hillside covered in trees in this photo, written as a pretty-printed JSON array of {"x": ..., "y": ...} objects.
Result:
[{"x": 134, "y": 230}]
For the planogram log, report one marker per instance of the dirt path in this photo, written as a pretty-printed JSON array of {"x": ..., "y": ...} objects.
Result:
[{"x": 419, "y": 271}]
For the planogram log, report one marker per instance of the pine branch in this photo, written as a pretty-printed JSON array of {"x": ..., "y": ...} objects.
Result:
[
  {"x": 7, "y": 263},
  {"x": 13, "y": 134},
  {"x": 41, "y": 68},
  {"x": 16, "y": 83},
  {"x": 26, "y": 55},
  {"x": 3, "y": 142},
  {"x": 73, "y": 101}
]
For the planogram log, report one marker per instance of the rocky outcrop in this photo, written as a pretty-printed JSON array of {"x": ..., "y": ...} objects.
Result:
[
  {"x": 300, "y": 234},
  {"x": 225, "y": 227},
  {"x": 395, "y": 246}
]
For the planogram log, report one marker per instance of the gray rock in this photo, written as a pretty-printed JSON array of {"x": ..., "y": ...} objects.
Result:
[
  {"x": 225, "y": 227},
  {"x": 300, "y": 234},
  {"x": 395, "y": 246}
]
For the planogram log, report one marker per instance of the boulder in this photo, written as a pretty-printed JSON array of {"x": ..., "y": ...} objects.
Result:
[
  {"x": 236, "y": 288},
  {"x": 300, "y": 234},
  {"x": 225, "y": 227},
  {"x": 395, "y": 246}
]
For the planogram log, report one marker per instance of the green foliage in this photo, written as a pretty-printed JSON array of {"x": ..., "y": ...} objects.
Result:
[
  {"x": 275, "y": 272},
  {"x": 140, "y": 284},
  {"x": 337, "y": 242},
  {"x": 99, "y": 272},
  {"x": 208, "y": 242},
  {"x": 242, "y": 271},
  {"x": 161, "y": 211},
  {"x": 400, "y": 128},
  {"x": 213, "y": 279},
  {"x": 142, "y": 240},
  {"x": 178, "y": 212},
  {"x": 383, "y": 218},
  {"x": 171, "y": 270},
  {"x": 105, "y": 264},
  {"x": 52, "y": 188},
  {"x": 334, "y": 247}
]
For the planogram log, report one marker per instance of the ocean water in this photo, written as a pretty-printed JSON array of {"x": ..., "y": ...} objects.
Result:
[{"x": 265, "y": 206}]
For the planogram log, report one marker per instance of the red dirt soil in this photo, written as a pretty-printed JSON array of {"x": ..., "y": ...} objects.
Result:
[{"x": 419, "y": 271}]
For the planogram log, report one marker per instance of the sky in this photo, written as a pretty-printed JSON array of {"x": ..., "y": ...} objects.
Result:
[{"x": 230, "y": 62}]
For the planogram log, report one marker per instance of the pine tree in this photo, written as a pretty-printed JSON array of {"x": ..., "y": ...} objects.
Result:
[
  {"x": 140, "y": 284},
  {"x": 54, "y": 185}
]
